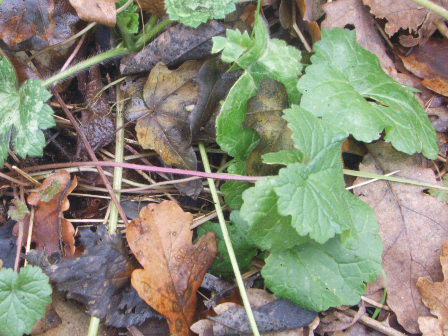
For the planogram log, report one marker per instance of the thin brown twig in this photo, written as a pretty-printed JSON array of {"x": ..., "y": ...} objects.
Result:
[
  {"x": 92, "y": 157},
  {"x": 13, "y": 180}
]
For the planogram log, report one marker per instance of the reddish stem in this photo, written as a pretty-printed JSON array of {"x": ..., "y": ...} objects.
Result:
[{"x": 217, "y": 176}]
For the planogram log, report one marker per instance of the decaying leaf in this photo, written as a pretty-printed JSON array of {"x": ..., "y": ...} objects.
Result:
[
  {"x": 51, "y": 231},
  {"x": 311, "y": 9},
  {"x": 352, "y": 12},
  {"x": 7, "y": 244},
  {"x": 172, "y": 108},
  {"x": 435, "y": 296},
  {"x": 101, "y": 11},
  {"x": 36, "y": 24},
  {"x": 96, "y": 121},
  {"x": 264, "y": 114},
  {"x": 274, "y": 317},
  {"x": 100, "y": 279},
  {"x": 161, "y": 240},
  {"x": 154, "y": 7},
  {"x": 428, "y": 62},
  {"x": 173, "y": 47},
  {"x": 413, "y": 227},
  {"x": 406, "y": 14}
]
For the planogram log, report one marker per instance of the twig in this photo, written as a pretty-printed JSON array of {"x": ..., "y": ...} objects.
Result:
[
  {"x": 13, "y": 180},
  {"x": 374, "y": 324},
  {"x": 228, "y": 242},
  {"x": 92, "y": 156},
  {"x": 30, "y": 232},
  {"x": 433, "y": 7}
]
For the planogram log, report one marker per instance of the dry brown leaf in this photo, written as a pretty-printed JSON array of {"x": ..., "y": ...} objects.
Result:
[
  {"x": 406, "y": 14},
  {"x": 428, "y": 61},
  {"x": 430, "y": 326},
  {"x": 311, "y": 9},
  {"x": 435, "y": 295},
  {"x": 173, "y": 268},
  {"x": 51, "y": 231},
  {"x": 352, "y": 12},
  {"x": 154, "y": 7},
  {"x": 101, "y": 11},
  {"x": 36, "y": 24},
  {"x": 414, "y": 226}
]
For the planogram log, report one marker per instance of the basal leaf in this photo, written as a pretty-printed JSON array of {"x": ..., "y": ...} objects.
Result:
[
  {"x": 23, "y": 114},
  {"x": 346, "y": 86},
  {"x": 244, "y": 248},
  {"x": 268, "y": 229},
  {"x": 129, "y": 18},
  {"x": 333, "y": 274},
  {"x": 23, "y": 298},
  {"x": 313, "y": 192},
  {"x": 233, "y": 190},
  {"x": 193, "y": 13},
  {"x": 283, "y": 157}
]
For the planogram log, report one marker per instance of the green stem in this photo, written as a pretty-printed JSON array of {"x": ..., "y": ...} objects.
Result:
[
  {"x": 392, "y": 179},
  {"x": 93, "y": 326},
  {"x": 433, "y": 7},
  {"x": 147, "y": 36},
  {"x": 119, "y": 51},
  {"x": 118, "y": 175},
  {"x": 383, "y": 302},
  {"x": 228, "y": 242}
]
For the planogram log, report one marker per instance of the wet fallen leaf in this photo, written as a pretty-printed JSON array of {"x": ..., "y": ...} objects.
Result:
[
  {"x": 173, "y": 47},
  {"x": 435, "y": 295},
  {"x": 311, "y": 9},
  {"x": 101, "y": 11},
  {"x": 161, "y": 240},
  {"x": 36, "y": 24},
  {"x": 154, "y": 7},
  {"x": 52, "y": 233},
  {"x": 274, "y": 317},
  {"x": 7, "y": 244},
  {"x": 409, "y": 218},
  {"x": 264, "y": 114},
  {"x": 96, "y": 121},
  {"x": 428, "y": 62},
  {"x": 344, "y": 13},
  {"x": 171, "y": 109},
  {"x": 406, "y": 14},
  {"x": 99, "y": 278}
]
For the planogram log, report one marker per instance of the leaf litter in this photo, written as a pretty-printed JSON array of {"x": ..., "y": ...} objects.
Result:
[{"x": 318, "y": 257}]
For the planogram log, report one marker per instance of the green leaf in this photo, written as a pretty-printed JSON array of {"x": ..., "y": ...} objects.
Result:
[
  {"x": 313, "y": 192},
  {"x": 128, "y": 19},
  {"x": 283, "y": 157},
  {"x": 333, "y": 274},
  {"x": 18, "y": 211},
  {"x": 194, "y": 12},
  {"x": 233, "y": 190},
  {"x": 23, "y": 298},
  {"x": 268, "y": 229},
  {"x": 23, "y": 114},
  {"x": 244, "y": 248},
  {"x": 346, "y": 86}
]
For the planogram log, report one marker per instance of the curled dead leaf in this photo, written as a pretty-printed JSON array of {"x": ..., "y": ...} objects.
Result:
[
  {"x": 51, "y": 231},
  {"x": 173, "y": 268}
]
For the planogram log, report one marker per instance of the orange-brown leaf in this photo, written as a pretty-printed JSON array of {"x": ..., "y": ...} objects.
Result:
[
  {"x": 174, "y": 268},
  {"x": 50, "y": 229},
  {"x": 154, "y": 7},
  {"x": 101, "y": 11},
  {"x": 435, "y": 296}
]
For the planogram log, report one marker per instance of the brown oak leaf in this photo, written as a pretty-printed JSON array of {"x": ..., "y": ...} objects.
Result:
[
  {"x": 413, "y": 227},
  {"x": 406, "y": 15},
  {"x": 435, "y": 297},
  {"x": 173, "y": 268},
  {"x": 51, "y": 231}
]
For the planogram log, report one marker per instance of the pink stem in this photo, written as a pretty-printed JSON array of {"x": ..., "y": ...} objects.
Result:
[{"x": 217, "y": 176}]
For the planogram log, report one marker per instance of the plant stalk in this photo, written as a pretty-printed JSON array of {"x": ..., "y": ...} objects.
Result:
[
  {"x": 228, "y": 242},
  {"x": 433, "y": 7},
  {"x": 117, "y": 52}
]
